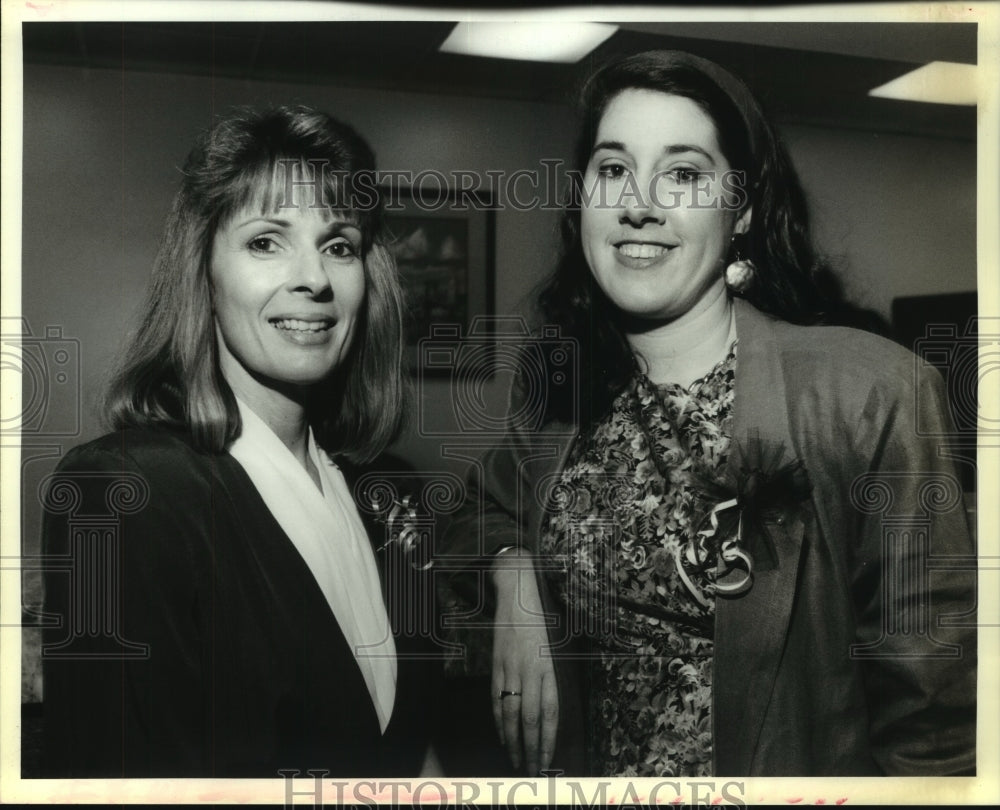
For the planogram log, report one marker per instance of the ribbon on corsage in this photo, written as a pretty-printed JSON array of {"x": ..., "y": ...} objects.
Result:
[
  {"x": 758, "y": 488},
  {"x": 406, "y": 527}
]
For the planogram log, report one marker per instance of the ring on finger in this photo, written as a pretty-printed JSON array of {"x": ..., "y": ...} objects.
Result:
[{"x": 506, "y": 693}]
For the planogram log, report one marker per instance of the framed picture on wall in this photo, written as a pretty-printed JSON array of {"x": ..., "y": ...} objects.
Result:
[{"x": 444, "y": 246}]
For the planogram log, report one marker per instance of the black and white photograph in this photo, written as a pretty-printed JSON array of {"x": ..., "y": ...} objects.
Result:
[{"x": 577, "y": 406}]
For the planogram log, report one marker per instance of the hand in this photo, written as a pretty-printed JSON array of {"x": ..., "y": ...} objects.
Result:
[{"x": 526, "y": 722}]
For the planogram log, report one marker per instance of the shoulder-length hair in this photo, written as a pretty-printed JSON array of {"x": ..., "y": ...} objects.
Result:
[
  {"x": 777, "y": 242},
  {"x": 168, "y": 376}
]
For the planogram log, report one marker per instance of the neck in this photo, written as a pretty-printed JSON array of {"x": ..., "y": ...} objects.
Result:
[
  {"x": 283, "y": 412},
  {"x": 683, "y": 350}
]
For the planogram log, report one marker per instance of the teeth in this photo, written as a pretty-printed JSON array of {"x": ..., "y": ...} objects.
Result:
[
  {"x": 296, "y": 325},
  {"x": 635, "y": 251}
]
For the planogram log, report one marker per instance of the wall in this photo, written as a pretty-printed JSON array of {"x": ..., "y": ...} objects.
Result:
[{"x": 896, "y": 214}]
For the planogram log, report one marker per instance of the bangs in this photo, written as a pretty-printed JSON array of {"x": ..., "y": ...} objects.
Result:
[{"x": 282, "y": 182}]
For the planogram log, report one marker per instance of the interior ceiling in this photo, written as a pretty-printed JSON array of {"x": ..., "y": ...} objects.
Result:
[{"x": 813, "y": 73}]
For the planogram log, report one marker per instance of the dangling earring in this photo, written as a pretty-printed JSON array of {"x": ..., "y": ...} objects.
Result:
[{"x": 740, "y": 273}]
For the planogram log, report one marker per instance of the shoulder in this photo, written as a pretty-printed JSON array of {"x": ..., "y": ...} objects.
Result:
[
  {"x": 848, "y": 359},
  {"x": 844, "y": 347},
  {"x": 158, "y": 460},
  {"x": 546, "y": 379},
  {"x": 131, "y": 446}
]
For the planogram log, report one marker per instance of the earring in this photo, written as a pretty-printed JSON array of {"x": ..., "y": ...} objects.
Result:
[{"x": 740, "y": 273}]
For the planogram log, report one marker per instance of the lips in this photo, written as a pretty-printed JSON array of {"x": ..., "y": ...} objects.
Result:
[
  {"x": 642, "y": 250},
  {"x": 310, "y": 325}
]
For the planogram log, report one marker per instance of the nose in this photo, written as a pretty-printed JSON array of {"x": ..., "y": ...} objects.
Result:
[
  {"x": 639, "y": 204},
  {"x": 308, "y": 275}
]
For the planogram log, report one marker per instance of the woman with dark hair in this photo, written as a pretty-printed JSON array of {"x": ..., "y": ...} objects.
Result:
[
  {"x": 232, "y": 621},
  {"x": 705, "y": 556}
]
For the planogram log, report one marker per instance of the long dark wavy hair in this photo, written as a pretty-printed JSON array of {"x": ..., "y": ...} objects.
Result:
[
  {"x": 778, "y": 240},
  {"x": 168, "y": 375}
]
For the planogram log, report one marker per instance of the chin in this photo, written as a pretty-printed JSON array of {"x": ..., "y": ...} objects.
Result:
[
  {"x": 641, "y": 308},
  {"x": 303, "y": 378}
]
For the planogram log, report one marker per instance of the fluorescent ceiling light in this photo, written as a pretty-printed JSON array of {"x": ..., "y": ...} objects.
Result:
[
  {"x": 530, "y": 41},
  {"x": 936, "y": 83}
]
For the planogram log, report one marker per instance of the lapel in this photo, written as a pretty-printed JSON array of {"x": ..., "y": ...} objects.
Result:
[
  {"x": 267, "y": 541},
  {"x": 750, "y": 629},
  {"x": 402, "y": 582},
  {"x": 375, "y": 531}
]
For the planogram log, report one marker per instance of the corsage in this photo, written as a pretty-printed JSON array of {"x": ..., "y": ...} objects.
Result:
[
  {"x": 734, "y": 539},
  {"x": 405, "y": 527}
]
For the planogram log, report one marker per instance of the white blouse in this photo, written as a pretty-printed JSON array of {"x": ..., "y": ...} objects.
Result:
[{"x": 327, "y": 531}]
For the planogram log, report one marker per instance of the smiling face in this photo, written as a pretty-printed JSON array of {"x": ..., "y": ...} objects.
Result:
[
  {"x": 288, "y": 288},
  {"x": 657, "y": 216}
]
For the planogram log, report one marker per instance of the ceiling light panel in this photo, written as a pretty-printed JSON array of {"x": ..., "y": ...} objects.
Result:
[
  {"x": 528, "y": 41},
  {"x": 934, "y": 83}
]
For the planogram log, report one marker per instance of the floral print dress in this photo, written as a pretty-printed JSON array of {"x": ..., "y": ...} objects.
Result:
[{"x": 629, "y": 536}]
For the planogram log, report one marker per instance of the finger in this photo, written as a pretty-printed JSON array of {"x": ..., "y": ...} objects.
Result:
[
  {"x": 549, "y": 720},
  {"x": 496, "y": 686},
  {"x": 530, "y": 704},
  {"x": 511, "y": 710}
]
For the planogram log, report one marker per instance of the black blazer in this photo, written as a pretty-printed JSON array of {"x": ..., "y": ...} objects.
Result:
[{"x": 192, "y": 639}]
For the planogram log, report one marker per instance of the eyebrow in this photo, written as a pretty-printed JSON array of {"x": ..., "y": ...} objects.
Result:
[
  {"x": 280, "y": 223},
  {"x": 673, "y": 149},
  {"x": 335, "y": 223}
]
